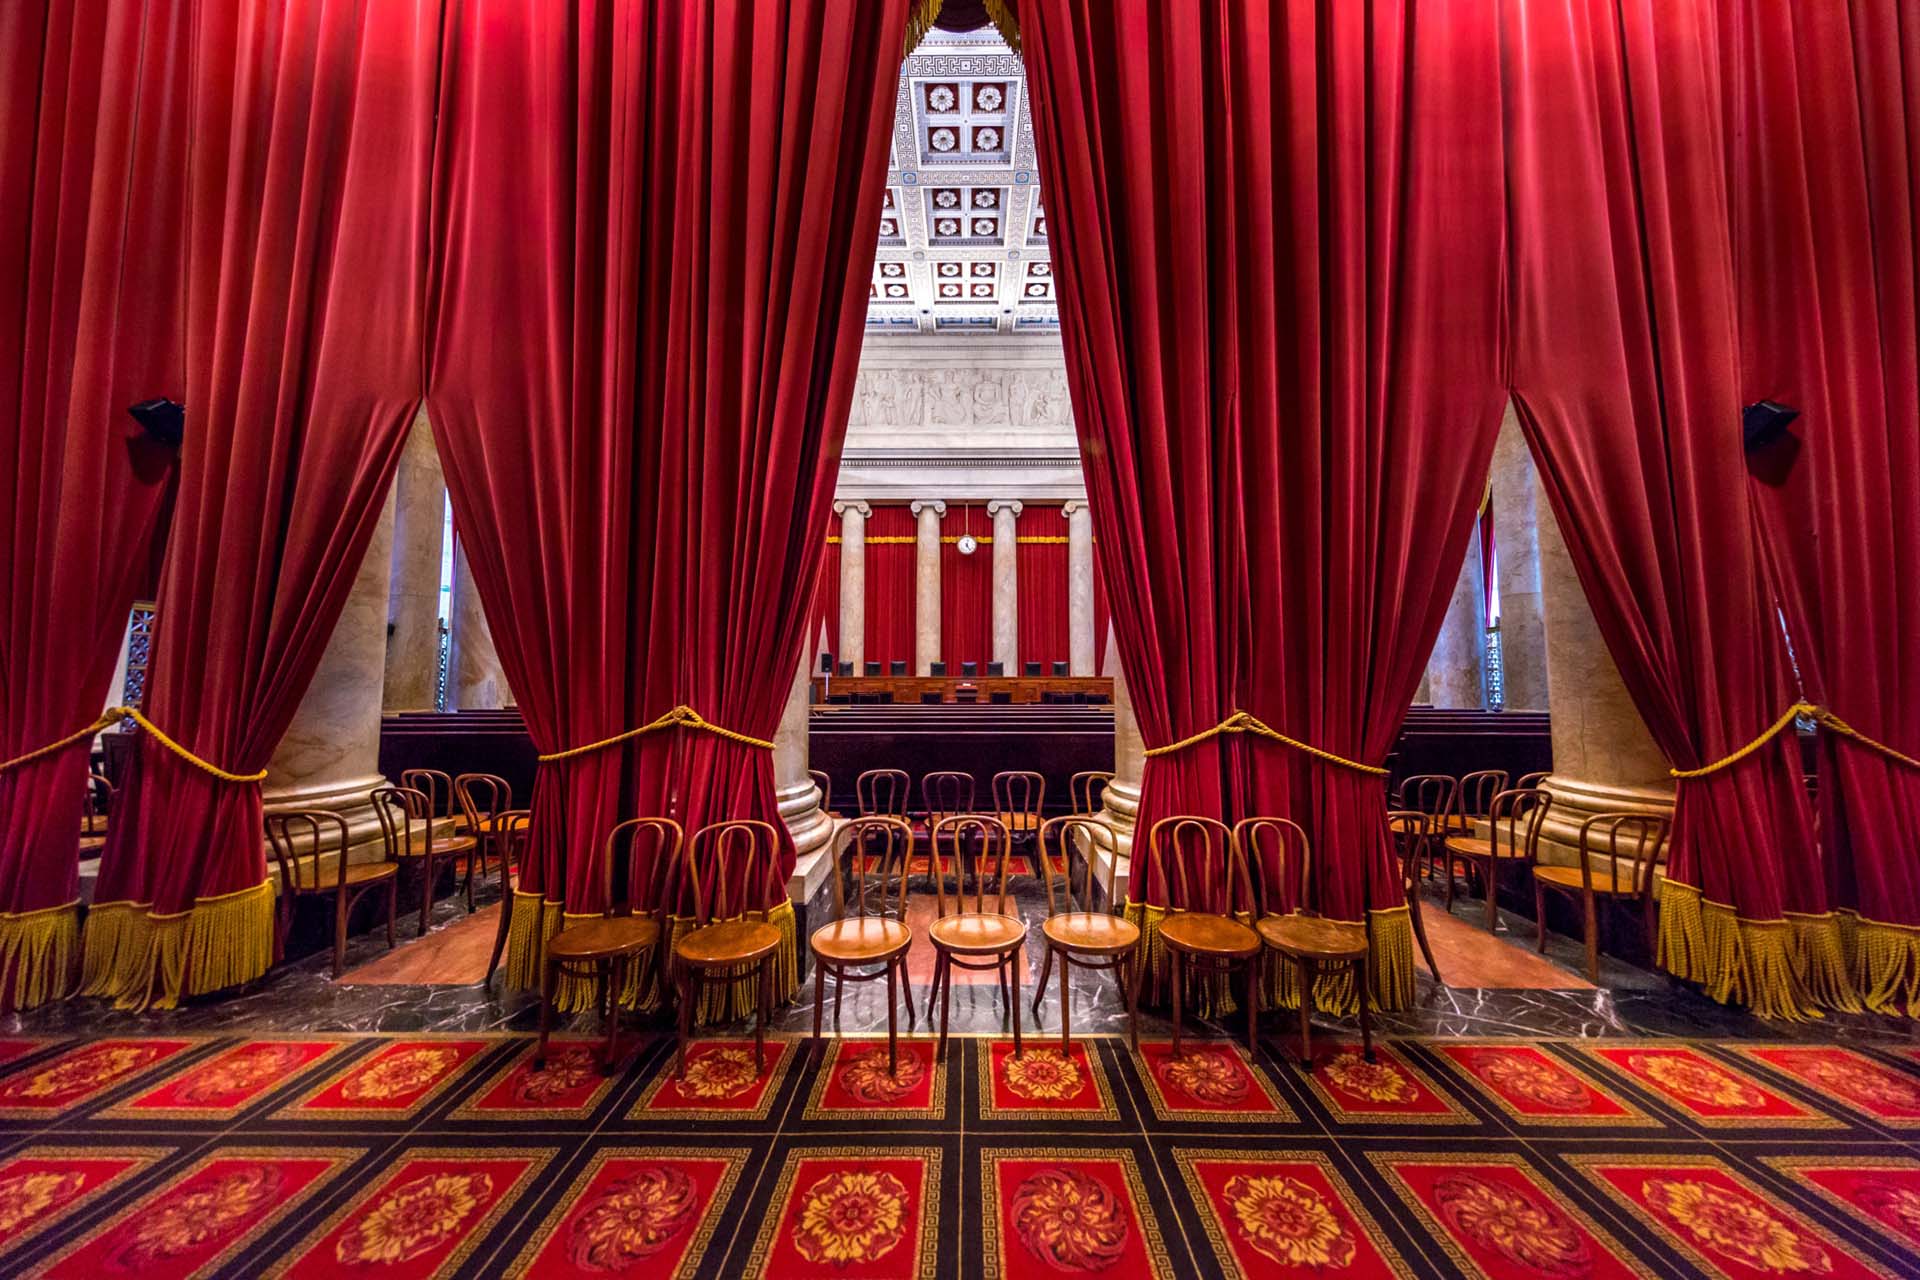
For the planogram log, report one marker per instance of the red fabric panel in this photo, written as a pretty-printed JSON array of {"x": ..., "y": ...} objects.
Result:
[
  {"x": 310, "y": 140},
  {"x": 1278, "y": 234},
  {"x": 1824, "y": 190},
  {"x": 1626, "y": 367},
  {"x": 890, "y": 550},
  {"x": 826, "y": 608},
  {"x": 89, "y": 116},
  {"x": 966, "y": 588},
  {"x": 1042, "y": 573},
  {"x": 1102, "y": 617}
]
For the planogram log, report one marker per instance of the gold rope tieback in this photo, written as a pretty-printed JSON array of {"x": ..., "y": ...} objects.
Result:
[
  {"x": 1246, "y": 722},
  {"x": 1821, "y": 716},
  {"x": 114, "y": 715},
  {"x": 681, "y": 717}
]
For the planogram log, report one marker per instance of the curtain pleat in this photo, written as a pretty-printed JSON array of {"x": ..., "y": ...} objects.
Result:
[{"x": 1041, "y": 570}]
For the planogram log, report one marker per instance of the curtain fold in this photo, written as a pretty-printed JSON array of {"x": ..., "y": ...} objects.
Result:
[
  {"x": 90, "y": 113},
  {"x": 1277, "y": 236},
  {"x": 308, "y": 137},
  {"x": 1041, "y": 568},
  {"x": 890, "y": 571},
  {"x": 826, "y": 596},
  {"x": 1626, "y": 373},
  {"x": 966, "y": 588}
]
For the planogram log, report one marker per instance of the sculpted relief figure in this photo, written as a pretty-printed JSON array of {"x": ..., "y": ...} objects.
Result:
[
  {"x": 949, "y": 397},
  {"x": 990, "y": 407},
  {"x": 1042, "y": 400}
]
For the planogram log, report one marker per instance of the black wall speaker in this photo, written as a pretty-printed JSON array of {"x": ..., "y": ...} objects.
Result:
[
  {"x": 164, "y": 421},
  {"x": 826, "y": 664},
  {"x": 1765, "y": 421}
]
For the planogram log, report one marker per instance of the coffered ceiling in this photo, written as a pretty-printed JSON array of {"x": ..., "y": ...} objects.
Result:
[{"x": 963, "y": 236}]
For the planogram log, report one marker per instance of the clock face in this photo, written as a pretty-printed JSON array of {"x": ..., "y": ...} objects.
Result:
[{"x": 967, "y": 545}]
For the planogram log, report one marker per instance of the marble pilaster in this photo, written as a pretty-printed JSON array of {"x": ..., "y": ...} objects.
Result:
[
  {"x": 1455, "y": 673},
  {"x": 926, "y": 585},
  {"x": 853, "y": 583},
  {"x": 1006, "y": 584},
  {"x": 798, "y": 797},
  {"x": 475, "y": 680},
  {"x": 1516, "y": 523},
  {"x": 413, "y": 599},
  {"x": 1080, "y": 637},
  {"x": 1122, "y": 796}
]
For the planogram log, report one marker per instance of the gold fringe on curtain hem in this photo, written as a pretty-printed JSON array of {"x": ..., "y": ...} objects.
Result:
[
  {"x": 1390, "y": 972},
  {"x": 1885, "y": 962},
  {"x": 141, "y": 960},
  {"x": 37, "y": 950},
  {"x": 1786, "y": 969}
]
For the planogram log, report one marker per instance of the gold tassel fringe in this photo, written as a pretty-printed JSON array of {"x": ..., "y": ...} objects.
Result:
[
  {"x": 114, "y": 943},
  {"x": 1750, "y": 962},
  {"x": 1819, "y": 953},
  {"x": 37, "y": 950},
  {"x": 920, "y": 20},
  {"x": 140, "y": 960},
  {"x": 1885, "y": 962}
]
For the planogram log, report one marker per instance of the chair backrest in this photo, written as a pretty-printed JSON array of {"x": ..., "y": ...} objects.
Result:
[
  {"x": 1409, "y": 830},
  {"x": 652, "y": 847},
  {"x": 1278, "y": 859},
  {"x": 876, "y": 854},
  {"x": 823, "y": 783},
  {"x": 306, "y": 833},
  {"x": 1432, "y": 793},
  {"x": 1635, "y": 838},
  {"x": 979, "y": 842},
  {"x": 946, "y": 794},
  {"x": 882, "y": 793},
  {"x": 437, "y": 785},
  {"x": 483, "y": 798},
  {"x": 1514, "y": 818},
  {"x": 1097, "y": 844},
  {"x": 1198, "y": 866},
  {"x": 1019, "y": 791},
  {"x": 98, "y": 802},
  {"x": 728, "y": 865},
  {"x": 1086, "y": 790},
  {"x": 398, "y": 809},
  {"x": 1528, "y": 781},
  {"x": 1477, "y": 792}
]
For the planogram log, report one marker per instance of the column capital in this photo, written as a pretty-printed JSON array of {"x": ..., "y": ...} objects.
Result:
[
  {"x": 939, "y": 507},
  {"x": 856, "y": 505},
  {"x": 1073, "y": 505},
  {"x": 997, "y": 505}
]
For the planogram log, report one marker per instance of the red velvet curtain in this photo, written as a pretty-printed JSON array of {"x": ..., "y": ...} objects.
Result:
[
  {"x": 890, "y": 600},
  {"x": 966, "y": 588},
  {"x": 90, "y": 103},
  {"x": 1276, "y": 230},
  {"x": 308, "y": 142},
  {"x": 1041, "y": 569},
  {"x": 1826, "y": 170},
  {"x": 1626, "y": 362}
]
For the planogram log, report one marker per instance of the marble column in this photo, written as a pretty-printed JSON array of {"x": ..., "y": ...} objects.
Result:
[
  {"x": 1080, "y": 637},
  {"x": 475, "y": 680},
  {"x": 1122, "y": 796},
  {"x": 853, "y": 583},
  {"x": 1455, "y": 674},
  {"x": 1523, "y": 627},
  {"x": 329, "y": 757},
  {"x": 1604, "y": 760},
  {"x": 413, "y": 599},
  {"x": 1006, "y": 584},
  {"x": 798, "y": 798},
  {"x": 926, "y": 586}
]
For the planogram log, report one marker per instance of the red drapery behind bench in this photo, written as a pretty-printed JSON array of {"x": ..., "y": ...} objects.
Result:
[
  {"x": 966, "y": 588},
  {"x": 1042, "y": 574},
  {"x": 890, "y": 535}
]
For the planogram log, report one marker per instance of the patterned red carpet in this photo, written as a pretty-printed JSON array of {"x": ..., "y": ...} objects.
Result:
[{"x": 429, "y": 1156}]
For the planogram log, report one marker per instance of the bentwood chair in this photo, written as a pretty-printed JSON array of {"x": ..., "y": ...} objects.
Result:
[
  {"x": 729, "y": 865},
  {"x": 945, "y": 794},
  {"x": 1200, "y": 867},
  {"x": 1087, "y": 790},
  {"x": 1472, "y": 799},
  {"x": 438, "y": 787},
  {"x": 1635, "y": 843},
  {"x": 869, "y": 925},
  {"x": 882, "y": 793},
  {"x": 483, "y": 798},
  {"x": 301, "y": 838},
  {"x": 1433, "y": 794},
  {"x": 977, "y": 936},
  {"x": 406, "y": 827},
  {"x": 625, "y": 938},
  {"x": 1528, "y": 781},
  {"x": 513, "y": 827},
  {"x": 1409, "y": 831},
  {"x": 1076, "y": 930},
  {"x": 1513, "y": 837},
  {"x": 823, "y": 783},
  {"x": 93, "y": 817},
  {"x": 1279, "y": 846},
  {"x": 1019, "y": 796}
]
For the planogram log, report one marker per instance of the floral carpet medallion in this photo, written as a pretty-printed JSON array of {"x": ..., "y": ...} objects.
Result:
[
  {"x": 1709, "y": 1091},
  {"x": 641, "y": 1213},
  {"x": 395, "y": 1081},
  {"x": 1535, "y": 1088},
  {"x": 722, "y": 1082},
  {"x": 42, "y": 1185},
  {"x": 79, "y": 1075},
  {"x": 202, "y": 1217},
  {"x": 853, "y": 1212},
  {"x": 1389, "y": 1088},
  {"x": 1208, "y": 1081},
  {"x": 1882, "y": 1191},
  {"x": 421, "y": 1220},
  {"x": 1871, "y": 1088},
  {"x": 1720, "y": 1220},
  {"x": 1497, "y": 1218},
  {"x": 228, "y": 1083},
  {"x": 1053, "y": 1212},
  {"x": 856, "y": 1083},
  {"x": 570, "y": 1085},
  {"x": 1043, "y": 1082},
  {"x": 1284, "y": 1213}
]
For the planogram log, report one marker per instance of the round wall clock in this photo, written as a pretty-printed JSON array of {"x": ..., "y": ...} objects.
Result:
[{"x": 967, "y": 546}]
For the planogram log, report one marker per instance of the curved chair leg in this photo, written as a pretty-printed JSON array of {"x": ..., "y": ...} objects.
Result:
[
  {"x": 761, "y": 1008},
  {"x": 1066, "y": 990},
  {"x": 906, "y": 990},
  {"x": 1540, "y": 918},
  {"x": 1253, "y": 1005},
  {"x": 393, "y": 908},
  {"x": 1133, "y": 1000},
  {"x": 1176, "y": 971},
  {"x": 546, "y": 1011},
  {"x": 1366, "y": 1024},
  {"x": 942, "y": 987},
  {"x": 1491, "y": 882},
  {"x": 893, "y": 1028},
  {"x": 819, "y": 1001},
  {"x": 426, "y": 895},
  {"x": 1592, "y": 922},
  {"x": 689, "y": 988},
  {"x": 1014, "y": 1003},
  {"x": 500, "y": 934},
  {"x": 1420, "y": 936},
  {"x": 1305, "y": 970},
  {"x": 1040, "y": 989}
]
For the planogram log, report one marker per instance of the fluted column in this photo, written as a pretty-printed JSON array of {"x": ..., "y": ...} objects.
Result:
[
  {"x": 1516, "y": 525},
  {"x": 798, "y": 798},
  {"x": 853, "y": 583},
  {"x": 1122, "y": 796},
  {"x": 1006, "y": 584},
  {"x": 475, "y": 680},
  {"x": 926, "y": 585},
  {"x": 413, "y": 599},
  {"x": 1455, "y": 673},
  {"x": 1080, "y": 637}
]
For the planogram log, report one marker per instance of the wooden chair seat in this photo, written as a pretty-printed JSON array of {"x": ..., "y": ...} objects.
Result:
[
  {"x": 604, "y": 937},
  {"x": 92, "y": 844},
  {"x": 1021, "y": 821},
  {"x": 1569, "y": 878},
  {"x": 1203, "y": 933},
  {"x": 444, "y": 847},
  {"x": 1474, "y": 847},
  {"x": 861, "y": 940},
  {"x": 977, "y": 933},
  {"x": 358, "y": 873},
  {"x": 728, "y": 943},
  {"x": 1092, "y": 931},
  {"x": 1313, "y": 937}
]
